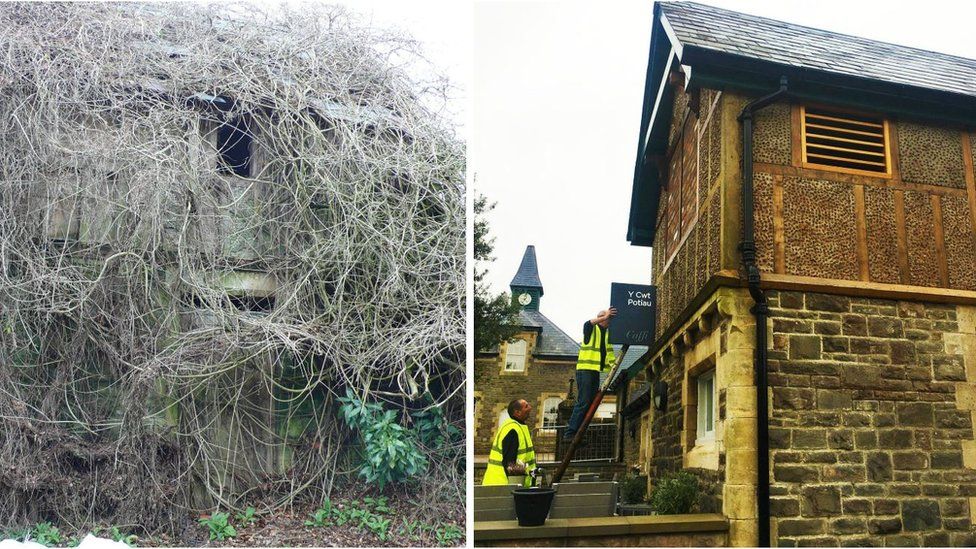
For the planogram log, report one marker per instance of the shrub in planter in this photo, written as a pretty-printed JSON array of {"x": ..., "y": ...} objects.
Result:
[
  {"x": 675, "y": 494},
  {"x": 633, "y": 489}
]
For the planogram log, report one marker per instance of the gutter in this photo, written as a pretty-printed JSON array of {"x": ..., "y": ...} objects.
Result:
[{"x": 760, "y": 310}]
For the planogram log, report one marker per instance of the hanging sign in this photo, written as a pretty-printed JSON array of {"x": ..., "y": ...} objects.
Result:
[{"x": 636, "y": 305}]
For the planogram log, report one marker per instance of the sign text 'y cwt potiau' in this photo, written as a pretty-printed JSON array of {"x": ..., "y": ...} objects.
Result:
[{"x": 635, "y": 304}]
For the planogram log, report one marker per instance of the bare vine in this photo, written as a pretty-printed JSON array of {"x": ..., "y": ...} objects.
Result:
[{"x": 172, "y": 335}]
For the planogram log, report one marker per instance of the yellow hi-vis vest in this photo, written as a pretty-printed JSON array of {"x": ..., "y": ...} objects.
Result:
[
  {"x": 495, "y": 473},
  {"x": 589, "y": 353}
]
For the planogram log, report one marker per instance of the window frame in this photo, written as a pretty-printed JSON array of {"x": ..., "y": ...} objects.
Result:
[
  {"x": 702, "y": 435},
  {"x": 524, "y": 355},
  {"x": 802, "y": 133},
  {"x": 549, "y": 429},
  {"x": 604, "y": 415}
]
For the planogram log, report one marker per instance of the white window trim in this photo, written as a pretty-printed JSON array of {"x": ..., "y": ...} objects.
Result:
[
  {"x": 502, "y": 417},
  {"x": 703, "y": 436},
  {"x": 609, "y": 410},
  {"x": 524, "y": 345},
  {"x": 551, "y": 428}
]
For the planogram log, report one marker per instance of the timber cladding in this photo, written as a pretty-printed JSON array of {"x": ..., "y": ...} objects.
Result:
[
  {"x": 871, "y": 427},
  {"x": 915, "y": 226},
  {"x": 689, "y": 221}
]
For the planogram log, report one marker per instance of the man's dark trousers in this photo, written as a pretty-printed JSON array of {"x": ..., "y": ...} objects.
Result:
[{"x": 587, "y": 382}]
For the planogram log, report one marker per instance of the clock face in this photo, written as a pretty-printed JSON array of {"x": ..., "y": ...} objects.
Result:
[{"x": 525, "y": 299}]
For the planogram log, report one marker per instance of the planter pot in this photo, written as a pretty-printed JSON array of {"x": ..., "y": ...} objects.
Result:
[{"x": 532, "y": 505}]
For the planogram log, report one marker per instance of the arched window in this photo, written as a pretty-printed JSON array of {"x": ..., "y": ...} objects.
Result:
[
  {"x": 515, "y": 356},
  {"x": 550, "y": 413}
]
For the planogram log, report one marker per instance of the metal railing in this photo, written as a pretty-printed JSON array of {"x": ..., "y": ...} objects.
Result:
[{"x": 599, "y": 443}]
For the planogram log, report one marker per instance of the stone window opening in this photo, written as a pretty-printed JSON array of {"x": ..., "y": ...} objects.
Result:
[
  {"x": 234, "y": 144},
  {"x": 550, "y": 414},
  {"x": 252, "y": 303},
  {"x": 705, "y": 409},
  {"x": 699, "y": 395},
  {"x": 515, "y": 356},
  {"x": 250, "y": 292}
]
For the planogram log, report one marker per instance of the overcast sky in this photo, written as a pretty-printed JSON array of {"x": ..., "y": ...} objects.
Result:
[
  {"x": 556, "y": 103},
  {"x": 443, "y": 27}
]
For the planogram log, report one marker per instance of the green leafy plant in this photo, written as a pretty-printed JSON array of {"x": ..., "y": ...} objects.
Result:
[
  {"x": 633, "y": 489},
  {"x": 248, "y": 517},
  {"x": 390, "y": 451},
  {"x": 118, "y": 535},
  {"x": 379, "y": 504},
  {"x": 413, "y": 528},
  {"x": 448, "y": 535},
  {"x": 46, "y": 534},
  {"x": 378, "y": 525},
  {"x": 321, "y": 515},
  {"x": 366, "y": 515},
  {"x": 219, "y": 526},
  {"x": 341, "y": 516},
  {"x": 16, "y": 535},
  {"x": 357, "y": 514},
  {"x": 433, "y": 429},
  {"x": 675, "y": 494}
]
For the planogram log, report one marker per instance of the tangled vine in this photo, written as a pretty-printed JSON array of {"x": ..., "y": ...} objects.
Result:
[{"x": 213, "y": 221}]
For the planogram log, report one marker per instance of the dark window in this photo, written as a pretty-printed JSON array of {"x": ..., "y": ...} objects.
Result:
[
  {"x": 246, "y": 303},
  {"x": 255, "y": 304},
  {"x": 234, "y": 144}
]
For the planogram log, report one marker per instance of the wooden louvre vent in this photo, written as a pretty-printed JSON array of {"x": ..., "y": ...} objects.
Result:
[{"x": 850, "y": 142}]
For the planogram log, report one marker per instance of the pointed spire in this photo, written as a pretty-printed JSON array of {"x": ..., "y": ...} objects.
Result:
[
  {"x": 528, "y": 272},
  {"x": 526, "y": 286}
]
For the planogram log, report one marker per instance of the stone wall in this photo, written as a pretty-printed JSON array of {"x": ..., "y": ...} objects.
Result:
[
  {"x": 718, "y": 335},
  {"x": 871, "y": 434},
  {"x": 700, "y": 530},
  {"x": 633, "y": 427},
  {"x": 494, "y": 389}
]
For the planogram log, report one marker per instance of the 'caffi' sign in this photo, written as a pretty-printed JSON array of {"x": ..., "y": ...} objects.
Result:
[{"x": 635, "y": 304}]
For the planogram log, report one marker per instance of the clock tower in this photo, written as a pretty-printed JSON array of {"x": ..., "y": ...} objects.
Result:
[{"x": 526, "y": 286}]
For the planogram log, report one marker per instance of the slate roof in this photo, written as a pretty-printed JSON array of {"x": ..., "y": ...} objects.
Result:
[
  {"x": 552, "y": 341},
  {"x": 528, "y": 271},
  {"x": 723, "y": 49},
  {"x": 806, "y": 47},
  {"x": 630, "y": 360}
]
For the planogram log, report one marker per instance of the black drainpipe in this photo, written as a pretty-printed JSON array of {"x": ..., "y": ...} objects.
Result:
[{"x": 760, "y": 310}]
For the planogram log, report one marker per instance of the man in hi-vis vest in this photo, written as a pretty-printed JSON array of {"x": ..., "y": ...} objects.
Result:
[
  {"x": 512, "y": 459},
  {"x": 595, "y": 356}
]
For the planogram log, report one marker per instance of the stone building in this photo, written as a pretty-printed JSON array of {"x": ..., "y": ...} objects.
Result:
[
  {"x": 811, "y": 204},
  {"x": 221, "y": 224},
  {"x": 538, "y": 365}
]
